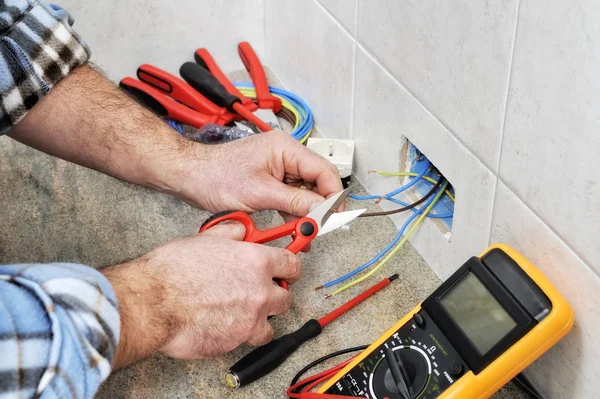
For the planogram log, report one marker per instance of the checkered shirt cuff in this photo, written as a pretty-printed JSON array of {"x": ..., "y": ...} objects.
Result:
[{"x": 38, "y": 48}]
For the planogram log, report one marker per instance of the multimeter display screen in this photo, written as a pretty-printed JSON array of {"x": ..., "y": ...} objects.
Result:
[{"x": 477, "y": 313}]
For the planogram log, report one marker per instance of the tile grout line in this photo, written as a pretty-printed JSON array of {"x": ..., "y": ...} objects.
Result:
[
  {"x": 360, "y": 45},
  {"x": 554, "y": 232},
  {"x": 354, "y": 77},
  {"x": 502, "y": 130}
]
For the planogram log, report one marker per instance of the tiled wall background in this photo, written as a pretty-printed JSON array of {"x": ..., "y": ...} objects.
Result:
[
  {"x": 125, "y": 34},
  {"x": 503, "y": 97}
]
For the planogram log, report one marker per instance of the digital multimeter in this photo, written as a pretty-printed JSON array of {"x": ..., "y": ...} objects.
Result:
[{"x": 480, "y": 328}]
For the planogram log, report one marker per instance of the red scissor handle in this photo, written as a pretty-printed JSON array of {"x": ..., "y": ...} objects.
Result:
[
  {"x": 302, "y": 230},
  {"x": 179, "y": 90},
  {"x": 165, "y": 106},
  {"x": 263, "y": 95},
  {"x": 203, "y": 58}
]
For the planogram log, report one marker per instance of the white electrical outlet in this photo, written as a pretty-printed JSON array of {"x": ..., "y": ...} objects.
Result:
[{"x": 338, "y": 152}]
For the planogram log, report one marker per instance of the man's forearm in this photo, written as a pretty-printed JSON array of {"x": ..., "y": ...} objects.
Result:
[{"x": 87, "y": 120}]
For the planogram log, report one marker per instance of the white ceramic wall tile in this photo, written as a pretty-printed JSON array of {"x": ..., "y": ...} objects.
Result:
[
  {"x": 455, "y": 57},
  {"x": 385, "y": 112},
  {"x": 344, "y": 11},
  {"x": 569, "y": 370},
  {"x": 126, "y": 34},
  {"x": 550, "y": 152},
  {"x": 313, "y": 56}
]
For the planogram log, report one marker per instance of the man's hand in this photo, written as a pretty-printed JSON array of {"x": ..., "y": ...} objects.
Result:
[
  {"x": 87, "y": 120},
  {"x": 259, "y": 172},
  {"x": 200, "y": 296}
]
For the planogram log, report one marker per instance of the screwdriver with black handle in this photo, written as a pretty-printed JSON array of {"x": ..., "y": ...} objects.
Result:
[
  {"x": 267, "y": 358},
  {"x": 209, "y": 86}
]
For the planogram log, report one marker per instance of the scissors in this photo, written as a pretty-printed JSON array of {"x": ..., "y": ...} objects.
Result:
[{"x": 321, "y": 220}]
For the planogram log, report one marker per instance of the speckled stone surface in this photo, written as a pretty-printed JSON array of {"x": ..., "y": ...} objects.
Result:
[{"x": 53, "y": 210}]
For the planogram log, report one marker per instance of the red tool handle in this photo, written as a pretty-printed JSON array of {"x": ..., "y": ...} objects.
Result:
[
  {"x": 263, "y": 95},
  {"x": 179, "y": 90},
  {"x": 207, "y": 84},
  {"x": 303, "y": 231},
  {"x": 203, "y": 57},
  {"x": 163, "y": 105}
]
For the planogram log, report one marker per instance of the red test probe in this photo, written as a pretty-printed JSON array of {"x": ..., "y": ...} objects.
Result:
[{"x": 266, "y": 358}]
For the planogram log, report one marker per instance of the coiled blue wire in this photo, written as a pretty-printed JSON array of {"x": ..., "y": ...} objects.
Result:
[
  {"x": 306, "y": 115},
  {"x": 386, "y": 249},
  {"x": 397, "y": 191},
  {"x": 306, "y": 121}
]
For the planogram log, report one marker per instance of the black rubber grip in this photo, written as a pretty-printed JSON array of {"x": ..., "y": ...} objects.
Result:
[
  {"x": 209, "y": 86},
  {"x": 215, "y": 216},
  {"x": 267, "y": 358}
]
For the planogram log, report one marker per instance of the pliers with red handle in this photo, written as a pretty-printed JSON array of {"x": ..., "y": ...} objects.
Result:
[
  {"x": 321, "y": 220},
  {"x": 266, "y": 105},
  {"x": 171, "y": 97},
  {"x": 166, "y": 106}
]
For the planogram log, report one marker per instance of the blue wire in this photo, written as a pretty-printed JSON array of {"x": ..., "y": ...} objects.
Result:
[
  {"x": 398, "y": 190},
  {"x": 306, "y": 116},
  {"x": 385, "y": 250}
]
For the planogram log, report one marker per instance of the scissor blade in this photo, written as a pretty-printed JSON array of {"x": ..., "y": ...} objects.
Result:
[
  {"x": 338, "y": 220},
  {"x": 321, "y": 213}
]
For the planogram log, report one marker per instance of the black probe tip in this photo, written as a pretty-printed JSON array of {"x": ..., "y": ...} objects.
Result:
[{"x": 394, "y": 277}]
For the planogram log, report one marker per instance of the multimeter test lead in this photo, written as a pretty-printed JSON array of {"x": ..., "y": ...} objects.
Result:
[{"x": 266, "y": 358}]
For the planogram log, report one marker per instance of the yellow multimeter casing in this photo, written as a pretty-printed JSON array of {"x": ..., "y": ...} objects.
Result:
[{"x": 470, "y": 337}]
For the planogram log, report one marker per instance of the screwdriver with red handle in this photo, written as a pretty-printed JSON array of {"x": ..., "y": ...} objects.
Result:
[
  {"x": 203, "y": 81},
  {"x": 267, "y": 358}
]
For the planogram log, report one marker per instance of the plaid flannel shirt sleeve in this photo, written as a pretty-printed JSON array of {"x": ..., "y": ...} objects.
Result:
[
  {"x": 59, "y": 329},
  {"x": 38, "y": 48}
]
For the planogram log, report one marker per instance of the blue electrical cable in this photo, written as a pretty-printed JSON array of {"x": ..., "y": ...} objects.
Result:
[
  {"x": 397, "y": 191},
  {"x": 385, "y": 250},
  {"x": 306, "y": 116},
  {"x": 306, "y": 120}
]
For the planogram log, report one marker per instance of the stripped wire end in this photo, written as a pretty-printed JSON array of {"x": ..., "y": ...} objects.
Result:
[
  {"x": 372, "y": 171},
  {"x": 320, "y": 287},
  {"x": 327, "y": 296},
  {"x": 380, "y": 199}
]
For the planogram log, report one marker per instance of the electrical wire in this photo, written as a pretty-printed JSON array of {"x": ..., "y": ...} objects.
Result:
[
  {"x": 296, "y": 104},
  {"x": 406, "y": 208},
  {"x": 325, "y": 358},
  {"x": 426, "y": 178},
  {"x": 383, "y": 252},
  {"x": 298, "y": 387},
  {"x": 294, "y": 110},
  {"x": 526, "y": 386},
  {"x": 398, "y": 246},
  {"x": 396, "y": 191}
]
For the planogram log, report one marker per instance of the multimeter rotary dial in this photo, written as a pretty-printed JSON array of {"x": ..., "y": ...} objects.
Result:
[{"x": 417, "y": 366}]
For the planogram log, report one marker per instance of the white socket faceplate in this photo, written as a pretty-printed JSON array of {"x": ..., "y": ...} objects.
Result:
[{"x": 338, "y": 152}]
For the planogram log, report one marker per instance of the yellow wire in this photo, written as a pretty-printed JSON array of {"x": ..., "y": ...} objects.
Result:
[
  {"x": 284, "y": 103},
  {"x": 429, "y": 179},
  {"x": 396, "y": 248}
]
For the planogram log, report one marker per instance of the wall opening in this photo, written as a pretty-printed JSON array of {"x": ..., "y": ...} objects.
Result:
[{"x": 414, "y": 160}]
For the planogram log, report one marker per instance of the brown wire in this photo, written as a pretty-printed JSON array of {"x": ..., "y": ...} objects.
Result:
[{"x": 406, "y": 208}]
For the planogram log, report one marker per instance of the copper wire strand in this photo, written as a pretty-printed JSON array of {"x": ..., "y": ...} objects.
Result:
[{"x": 406, "y": 208}]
